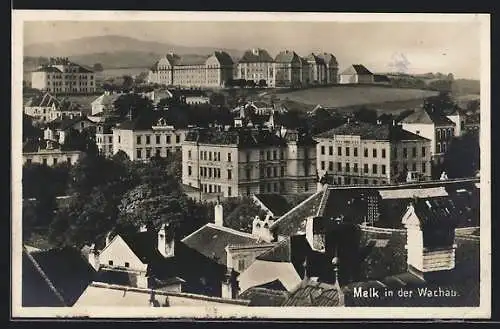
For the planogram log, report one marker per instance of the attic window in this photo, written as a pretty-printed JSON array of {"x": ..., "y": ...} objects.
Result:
[
  {"x": 110, "y": 263},
  {"x": 161, "y": 122},
  {"x": 127, "y": 264}
]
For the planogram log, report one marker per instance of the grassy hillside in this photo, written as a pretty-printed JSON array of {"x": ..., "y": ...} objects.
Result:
[{"x": 348, "y": 96}]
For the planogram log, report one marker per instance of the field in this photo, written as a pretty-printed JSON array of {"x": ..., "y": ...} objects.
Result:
[
  {"x": 349, "y": 96},
  {"x": 132, "y": 71}
]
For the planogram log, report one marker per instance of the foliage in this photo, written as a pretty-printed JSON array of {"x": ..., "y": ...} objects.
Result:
[
  {"x": 366, "y": 115},
  {"x": 473, "y": 105},
  {"x": 97, "y": 67},
  {"x": 132, "y": 103},
  {"x": 217, "y": 99},
  {"x": 241, "y": 213},
  {"x": 442, "y": 103},
  {"x": 463, "y": 157}
]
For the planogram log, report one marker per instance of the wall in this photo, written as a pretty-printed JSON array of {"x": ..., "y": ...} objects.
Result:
[
  {"x": 348, "y": 78},
  {"x": 244, "y": 254},
  {"x": 398, "y": 159},
  {"x": 39, "y": 80},
  {"x": 119, "y": 252},
  {"x": 365, "y": 78},
  {"x": 61, "y": 157},
  {"x": 261, "y": 272},
  {"x": 424, "y": 130}
]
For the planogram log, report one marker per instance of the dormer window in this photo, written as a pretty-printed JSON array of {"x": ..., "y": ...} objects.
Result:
[{"x": 162, "y": 122}]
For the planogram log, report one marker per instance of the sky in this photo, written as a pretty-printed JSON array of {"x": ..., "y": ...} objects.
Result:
[{"x": 417, "y": 47}]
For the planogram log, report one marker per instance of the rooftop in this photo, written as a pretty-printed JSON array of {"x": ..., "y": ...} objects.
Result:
[
  {"x": 313, "y": 293},
  {"x": 428, "y": 116},
  {"x": 259, "y": 296},
  {"x": 371, "y": 131},
  {"x": 287, "y": 56},
  {"x": 241, "y": 137},
  {"x": 256, "y": 56},
  {"x": 357, "y": 69}
]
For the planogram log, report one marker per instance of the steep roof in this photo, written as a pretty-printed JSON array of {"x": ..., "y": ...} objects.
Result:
[
  {"x": 106, "y": 99},
  {"x": 428, "y": 116},
  {"x": 256, "y": 56},
  {"x": 54, "y": 277},
  {"x": 329, "y": 59},
  {"x": 315, "y": 59},
  {"x": 241, "y": 137},
  {"x": 276, "y": 203},
  {"x": 357, "y": 69},
  {"x": 281, "y": 252},
  {"x": 144, "y": 121},
  {"x": 211, "y": 241},
  {"x": 314, "y": 293},
  {"x": 43, "y": 100},
  {"x": 48, "y": 69},
  {"x": 287, "y": 56},
  {"x": 259, "y": 296},
  {"x": 371, "y": 131},
  {"x": 436, "y": 210},
  {"x": 224, "y": 58}
]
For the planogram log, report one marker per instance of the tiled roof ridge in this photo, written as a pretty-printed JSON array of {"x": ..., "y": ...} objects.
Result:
[
  {"x": 250, "y": 246},
  {"x": 417, "y": 184},
  {"x": 323, "y": 202},
  {"x": 276, "y": 245},
  {"x": 44, "y": 276},
  {"x": 275, "y": 224},
  {"x": 170, "y": 293},
  {"x": 231, "y": 230}
]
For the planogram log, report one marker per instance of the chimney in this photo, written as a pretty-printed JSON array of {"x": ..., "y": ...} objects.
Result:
[
  {"x": 143, "y": 228},
  {"x": 228, "y": 285},
  {"x": 93, "y": 257},
  {"x": 218, "y": 214},
  {"x": 335, "y": 264},
  {"x": 166, "y": 241},
  {"x": 430, "y": 247},
  {"x": 108, "y": 238}
]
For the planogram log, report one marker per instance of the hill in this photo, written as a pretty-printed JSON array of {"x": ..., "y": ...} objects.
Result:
[{"x": 349, "y": 96}]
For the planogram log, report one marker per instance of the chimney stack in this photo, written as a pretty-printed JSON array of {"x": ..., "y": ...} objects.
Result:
[
  {"x": 166, "y": 241},
  {"x": 219, "y": 213},
  {"x": 93, "y": 257}
]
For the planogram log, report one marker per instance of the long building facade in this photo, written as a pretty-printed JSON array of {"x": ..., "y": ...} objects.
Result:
[
  {"x": 60, "y": 76},
  {"x": 243, "y": 161},
  {"x": 363, "y": 153},
  {"x": 192, "y": 71}
]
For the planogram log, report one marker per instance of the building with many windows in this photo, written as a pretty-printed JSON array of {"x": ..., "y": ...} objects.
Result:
[
  {"x": 434, "y": 126},
  {"x": 288, "y": 69},
  {"x": 363, "y": 153},
  {"x": 146, "y": 136},
  {"x": 256, "y": 65},
  {"x": 244, "y": 161},
  {"x": 50, "y": 154},
  {"x": 46, "y": 107},
  {"x": 193, "y": 71},
  {"x": 62, "y": 76},
  {"x": 332, "y": 67},
  {"x": 317, "y": 72}
]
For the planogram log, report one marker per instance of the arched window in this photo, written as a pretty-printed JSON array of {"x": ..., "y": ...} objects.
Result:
[
  {"x": 266, "y": 225},
  {"x": 257, "y": 225}
]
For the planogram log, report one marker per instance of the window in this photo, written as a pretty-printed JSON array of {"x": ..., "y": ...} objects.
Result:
[
  {"x": 110, "y": 139},
  {"x": 54, "y": 161},
  {"x": 438, "y": 148},
  {"x": 229, "y": 157},
  {"x": 330, "y": 166},
  {"x": 375, "y": 182},
  {"x": 347, "y": 151},
  {"x": 138, "y": 139},
  {"x": 68, "y": 160},
  {"x": 275, "y": 172},
  {"x": 127, "y": 264},
  {"x": 423, "y": 151},
  {"x": 44, "y": 161},
  {"x": 268, "y": 155},
  {"x": 158, "y": 139},
  {"x": 414, "y": 152},
  {"x": 347, "y": 167},
  {"x": 355, "y": 168},
  {"x": 366, "y": 181},
  {"x": 249, "y": 174},
  {"x": 330, "y": 150},
  {"x": 423, "y": 166},
  {"x": 366, "y": 153},
  {"x": 168, "y": 139},
  {"x": 355, "y": 151},
  {"x": 339, "y": 151},
  {"x": 229, "y": 174},
  {"x": 209, "y": 172},
  {"x": 339, "y": 166},
  {"x": 322, "y": 165},
  {"x": 444, "y": 147},
  {"x": 210, "y": 156},
  {"x": 28, "y": 161},
  {"x": 383, "y": 153},
  {"x": 414, "y": 167},
  {"x": 189, "y": 154},
  {"x": 148, "y": 153},
  {"x": 177, "y": 139},
  {"x": 365, "y": 168},
  {"x": 383, "y": 169},
  {"x": 148, "y": 139},
  {"x": 268, "y": 171},
  {"x": 189, "y": 171},
  {"x": 405, "y": 152},
  {"x": 275, "y": 155},
  {"x": 282, "y": 171},
  {"x": 119, "y": 139},
  {"x": 374, "y": 153},
  {"x": 374, "y": 168},
  {"x": 110, "y": 263}
]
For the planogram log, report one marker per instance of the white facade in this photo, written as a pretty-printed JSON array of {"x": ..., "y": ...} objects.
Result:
[
  {"x": 63, "y": 76},
  {"x": 440, "y": 136},
  {"x": 52, "y": 157}
]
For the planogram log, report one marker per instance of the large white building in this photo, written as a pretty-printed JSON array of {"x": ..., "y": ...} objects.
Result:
[
  {"x": 356, "y": 74},
  {"x": 192, "y": 71},
  {"x": 147, "y": 136},
  {"x": 434, "y": 126},
  {"x": 62, "y": 76},
  {"x": 363, "y": 153},
  {"x": 256, "y": 65}
]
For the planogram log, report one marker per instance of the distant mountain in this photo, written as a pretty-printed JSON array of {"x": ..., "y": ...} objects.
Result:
[{"x": 114, "y": 51}]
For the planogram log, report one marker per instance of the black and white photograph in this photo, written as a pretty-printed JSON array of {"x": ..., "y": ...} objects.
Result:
[{"x": 250, "y": 165}]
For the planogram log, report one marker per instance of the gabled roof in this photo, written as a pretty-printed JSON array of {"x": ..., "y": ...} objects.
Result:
[
  {"x": 43, "y": 100},
  {"x": 224, "y": 58},
  {"x": 371, "y": 131},
  {"x": 211, "y": 241},
  {"x": 260, "y": 296},
  {"x": 315, "y": 59},
  {"x": 281, "y": 252},
  {"x": 241, "y": 137},
  {"x": 256, "y": 56},
  {"x": 276, "y": 203},
  {"x": 428, "y": 116},
  {"x": 48, "y": 69},
  {"x": 437, "y": 210},
  {"x": 329, "y": 59},
  {"x": 314, "y": 293},
  {"x": 106, "y": 99},
  {"x": 54, "y": 277},
  {"x": 357, "y": 69},
  {"x": 287, "y": 56}
]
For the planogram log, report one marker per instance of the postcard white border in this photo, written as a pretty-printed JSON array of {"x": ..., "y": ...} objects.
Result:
[{"x": 238, "y": 312}]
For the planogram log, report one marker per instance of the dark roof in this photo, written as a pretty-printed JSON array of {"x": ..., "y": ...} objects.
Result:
[
  {"x": 260, "y": 56},
  {"x": 316, "y": 59},
  {"x": 439, "y": 209},
  {"x": 372, "y": 132},
  {"x": 259, "y": 296},
  {"x": 211, "y": 241},
  {"x": 143, "y": 244},
  {"x": 328, "y": 58},
  {"x": 241, "y": 137},
  {"x": 359, "y": 69},
  {"x": 55, "y": 277},
  {"x": 145, "y": 120},
  {"x": 276, "y": 203},
  {"x": 273, "y": 285},
  {"x": 428, "y": 116},
  {"x": 110, "y": 276},
  {"x": 381, "y": 78},
  {"x": 224, "y": 58},
  {"x": 281, "y": 252},
  {"x": 314, "y": 293},
  {"x": 43, "y": 100},
  {"x": 287, "y": 56},
  {"x": 48, "y": 69}
]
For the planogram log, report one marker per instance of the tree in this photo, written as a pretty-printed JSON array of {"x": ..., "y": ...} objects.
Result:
[
  {"x": 217, "y": 99},
  {"x": 473, "y": 105},
  {"x": 242, "y": 216},
  {"x": 463, "y": 157},
  {"x": 366, "y": 115},
  {"x": 133, "y": 103},
  {"x": 98, "y": 67}
]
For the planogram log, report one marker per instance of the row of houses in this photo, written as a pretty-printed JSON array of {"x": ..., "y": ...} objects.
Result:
[
  {"x": 286, "y": 69},
  {"x": 304, "y": 257}
]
